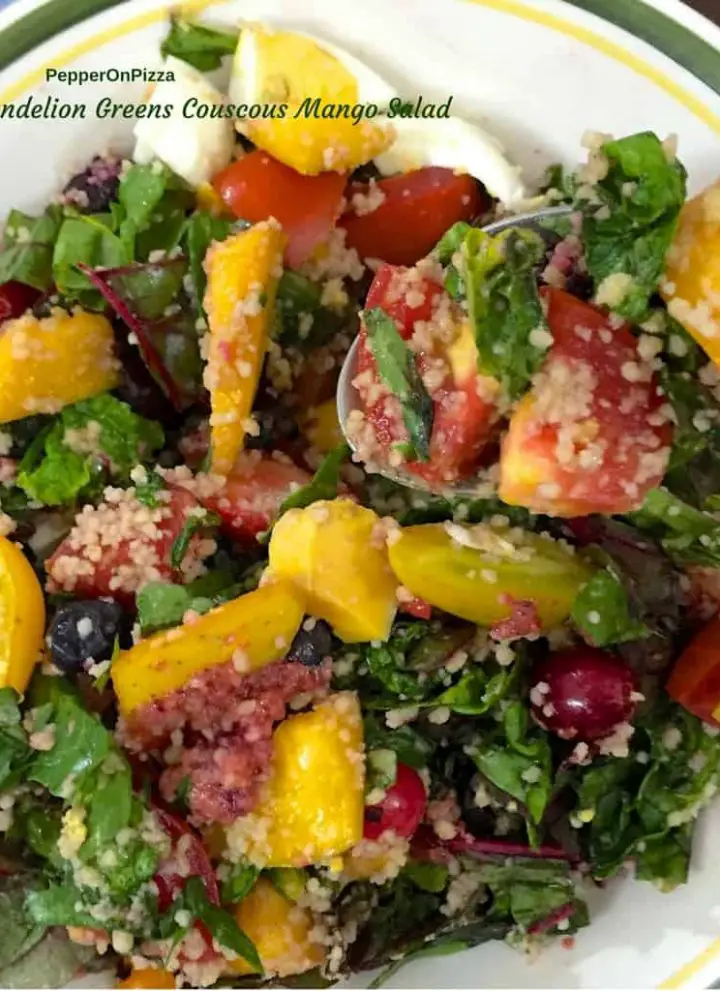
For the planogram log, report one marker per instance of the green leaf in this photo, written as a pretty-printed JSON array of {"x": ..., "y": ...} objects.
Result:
[
  {"x": 151, "y": 209},
  {"x": 602, "y": 613},
  {"x": 81, "y": 741},
  {"x": 193, "y": 524},
  {"x": 146, "y": 492},
  {"x": 381, "y": 769},
  {"x": 28, "y": 248},
  {"x": 125, "y": 437},
  {"x": 14, "y": 751},
  {"x": 200, "y": 46},
  {"x": 522, "y": 765},
  {"x": 324, "y": 484},
  {"x": 201, "y": 231},
  {"x": 427, "y": 876},
  {"x": 688, "y": 535},
  {"x": 221, "y": 924},
  {"x": 289, "y": 881},
  {"x": 451, "y": 241},
  {"x": 476, "y": 693},
  {"x": 398, "y": 370},
  {"x": 90, "y": 239},
  {"x": 504, "y": 305},
  {"x": 54, "y": 474},
  {"x": 109, "y": 810},
  {"x": 59, "y": 476},
  {"x": 629, "y": 217},
  {"x": 239, "y": 883},
  {"x": 19, "y": 931},
  {"x": 410, "y": 746},
  {"x": 59, "y": 905},
  {"x": 160, "y": 605}
]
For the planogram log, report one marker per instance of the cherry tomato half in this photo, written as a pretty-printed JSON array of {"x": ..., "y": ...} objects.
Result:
[
  {"x": 402, "y": 808},
  {"x": 416, "y": 210},
  {"x": 257, "y": 186}
]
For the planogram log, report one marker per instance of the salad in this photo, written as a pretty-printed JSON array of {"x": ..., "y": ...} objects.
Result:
[{"x": 266, "y": 715}]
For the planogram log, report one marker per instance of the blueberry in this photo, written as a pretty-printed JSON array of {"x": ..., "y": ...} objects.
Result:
[
  {"x": 94, "y": 189},
  {"x": 311, "y": 647},
  {"x": 85, "y": 629}
]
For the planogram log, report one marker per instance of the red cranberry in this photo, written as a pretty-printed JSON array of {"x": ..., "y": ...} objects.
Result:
[
  {"x": 15, "y": 299},
  {"x": 402, "y": 808},
  {"x": 582, "y": 693}
]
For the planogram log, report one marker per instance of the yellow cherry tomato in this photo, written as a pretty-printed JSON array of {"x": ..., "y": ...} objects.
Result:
[
  {"x": 477, "y": 573},
  {"x": 22, "y": 617}
]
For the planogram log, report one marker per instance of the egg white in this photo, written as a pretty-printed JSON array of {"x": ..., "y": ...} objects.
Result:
[
  {"x": 453, "y": 143},
  {"x": 196, "y": 149}
]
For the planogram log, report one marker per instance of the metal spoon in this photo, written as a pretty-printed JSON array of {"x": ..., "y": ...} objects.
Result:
[{"x": 348, "y": 398}]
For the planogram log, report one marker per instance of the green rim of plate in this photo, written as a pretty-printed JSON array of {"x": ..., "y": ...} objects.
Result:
[{"x": 635, "y": 16}]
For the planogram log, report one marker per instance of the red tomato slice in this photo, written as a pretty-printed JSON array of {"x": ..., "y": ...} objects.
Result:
[
  {"x": 15, "y": 299},
  {"x": 257, "y": 186},
  {"x": 462, "y": 420},
  {"x": 252, "y": 495},
  {"x": 117, "y": 569},
  {"x": 603, "y": 444},
  {"x": 188, "y": 858},
  {"x": 171, "y": 874},
  {"x": 695, "y": 679},
  {"x": 417, "y": 209}
]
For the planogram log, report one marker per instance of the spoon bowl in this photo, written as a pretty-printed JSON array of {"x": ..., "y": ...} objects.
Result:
[{"x": 348, "y": 397}]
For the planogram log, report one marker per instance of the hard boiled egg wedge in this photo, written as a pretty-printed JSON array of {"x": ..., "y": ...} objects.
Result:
[
  {"x": 193, "y": 147},
  {"x": 452, "y": 143},
  {"x": 288, "y": 73}
]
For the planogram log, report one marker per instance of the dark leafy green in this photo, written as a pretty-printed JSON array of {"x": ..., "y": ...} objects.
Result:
[
  {"x": 629, "y": 216},
  {"x": 91, "y": 239},
  {"x": 197, "y": 44},
  {"x": 222, "y": 925},
  {"x": 602, "y": 612},
  {"x": 53, "y": 473},
  {"x": 193, "y": 524},
  {"x": 519, "y": 762},
  {"x": 325, "y": 482},
  {"x": 28, "y": 242},
  {"x": 239, "y": 882},
  {"x": 396, "y": 367},
  {"x": 409, "y": 745},
  {"x": 688, "y": 535},
  {"x": 201, "y": 231},
  {"x": 504, "y": 305}
]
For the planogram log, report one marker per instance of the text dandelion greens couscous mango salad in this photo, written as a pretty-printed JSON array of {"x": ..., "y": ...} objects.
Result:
[{"x": 263, "y": 712}]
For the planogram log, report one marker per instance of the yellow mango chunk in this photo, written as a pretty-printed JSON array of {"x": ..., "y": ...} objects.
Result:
[
  {"x": 280, "y": 930},
  {"x": 313, "y": 803},
  {"x": 321, "y": 426},
  {"x": 243, "y": 274},
  {"x": 257, "y": 628},
  {"x": 333, "y": 552},
  {"x": 479, "y": 572},
  {"x": 209, "y": 199},
  {"x": 47, "y": 364},
  {"x": 22, "y": 617},
  {"x": 315, "y": 145},
  {"x": 691, "y": 287}
]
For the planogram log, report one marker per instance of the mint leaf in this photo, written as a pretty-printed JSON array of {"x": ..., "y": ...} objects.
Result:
[
  {"x": 398, "y": 370},
  {"x": 160, "y": 605},
  {"x": 60, "y": 474},
  {"x": 125, "y": 437}
]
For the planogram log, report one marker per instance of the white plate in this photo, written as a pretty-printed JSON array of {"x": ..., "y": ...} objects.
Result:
[{"x": 538, "y": 73}]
